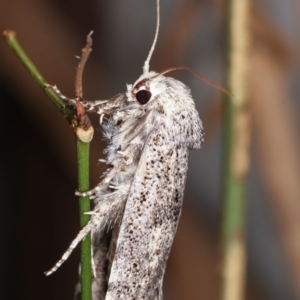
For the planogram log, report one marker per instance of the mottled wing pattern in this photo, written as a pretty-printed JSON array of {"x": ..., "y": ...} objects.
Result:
[{"x": 150, "y": 220}]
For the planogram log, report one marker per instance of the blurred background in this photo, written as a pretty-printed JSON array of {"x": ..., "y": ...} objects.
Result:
[{"x": 38, "y": 209}]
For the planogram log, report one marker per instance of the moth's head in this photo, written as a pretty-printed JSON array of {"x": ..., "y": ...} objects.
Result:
[
  {"x": 144, "y": 90},
  {"x": 167, "y": 104}
]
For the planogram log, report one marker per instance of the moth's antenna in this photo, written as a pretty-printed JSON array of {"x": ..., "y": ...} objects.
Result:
[
  {"x": 213, "y": 84},
  {"x": 146, "y": 64}
]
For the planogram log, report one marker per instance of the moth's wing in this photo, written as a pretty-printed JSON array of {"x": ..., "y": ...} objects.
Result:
[{"x": 150, "y": 220}]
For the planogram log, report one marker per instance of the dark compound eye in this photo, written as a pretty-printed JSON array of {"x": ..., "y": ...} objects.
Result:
[{"x": 143, "y": 96}]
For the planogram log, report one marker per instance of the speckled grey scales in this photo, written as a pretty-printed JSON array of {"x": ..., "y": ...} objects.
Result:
[
  {"x": 149, "y": 131},
  {"x": 148, "y": 149}
]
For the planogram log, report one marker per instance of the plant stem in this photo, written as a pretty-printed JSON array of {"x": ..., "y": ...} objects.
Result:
[
  {"x": 236, "y": 156},
  {"x": 84, "y": 206},
  {"x": 82, "y": 158},
  {"x": 10, "y": 38}
]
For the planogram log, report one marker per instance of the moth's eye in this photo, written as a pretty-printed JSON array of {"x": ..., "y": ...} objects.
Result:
[{"x": 143, "y": 96}]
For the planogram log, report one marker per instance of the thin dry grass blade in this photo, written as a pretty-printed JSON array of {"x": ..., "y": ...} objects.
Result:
[{"x": 236, "y": 152}]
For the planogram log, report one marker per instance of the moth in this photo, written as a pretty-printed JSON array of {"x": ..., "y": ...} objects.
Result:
[{"x": 150, "y": 129}]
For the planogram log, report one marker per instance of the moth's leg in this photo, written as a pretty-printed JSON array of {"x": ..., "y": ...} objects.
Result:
[
  {"x": 107, "y": 213},
  {"x": 101, "y": 186},
  {"x": 90, "y": 106},
  {"x": 105, "y": 107},
  {"x": 67, "y": 100},
  {"x": 81, "y": 235},
  {"x": 100, "y": 107}
]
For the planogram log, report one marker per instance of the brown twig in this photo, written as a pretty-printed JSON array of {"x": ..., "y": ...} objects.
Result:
[
  {"x": 84, "y": 57},
  {"x": 83, "y": 127}
]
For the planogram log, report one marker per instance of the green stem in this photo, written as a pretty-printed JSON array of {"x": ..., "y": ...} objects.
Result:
[
  {"x": 236, "y": 156},
  {"x": 84, "y": 206},
  {"x": 10, "y": 38},
  {"x": 82, "y": 157}
]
